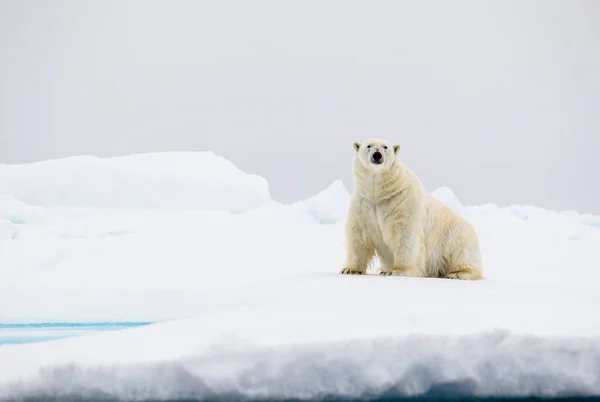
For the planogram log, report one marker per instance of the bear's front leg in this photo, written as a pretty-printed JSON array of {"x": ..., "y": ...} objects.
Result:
[
  {"x": 386, "y": 257},
  {"x": 358, "y": 252},
  {"x": 357, "y": 259}
]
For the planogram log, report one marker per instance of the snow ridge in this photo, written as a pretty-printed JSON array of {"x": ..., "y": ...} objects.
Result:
[{"x": 495, "y": 363}]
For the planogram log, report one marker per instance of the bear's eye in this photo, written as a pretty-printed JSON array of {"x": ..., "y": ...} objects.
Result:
[
  {"x": 385, "y": 147},
  {"x": 369, "y": 146}
]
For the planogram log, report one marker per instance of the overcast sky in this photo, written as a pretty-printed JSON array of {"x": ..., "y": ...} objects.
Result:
[{"x": 498, "y": 100}]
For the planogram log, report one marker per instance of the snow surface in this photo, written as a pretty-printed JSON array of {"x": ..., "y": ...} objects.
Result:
[{"x": 250, "y": 296}]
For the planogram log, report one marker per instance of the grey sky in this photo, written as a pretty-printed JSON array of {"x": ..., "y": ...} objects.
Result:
[{"x": 500, "y": 100}]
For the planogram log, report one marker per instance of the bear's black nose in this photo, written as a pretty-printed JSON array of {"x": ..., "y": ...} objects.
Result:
[{"x": 377, "y": 156}]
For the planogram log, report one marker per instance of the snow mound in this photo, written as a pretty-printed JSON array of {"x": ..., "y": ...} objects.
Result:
[
  {"x": 15, "y": 215},
  {"x": 447, "y": 196},
  {"x": 194, "y": 180},
  {"x": 17, "y": 212},
  {"x": 593, "y": 221},
  {"x": 329, "y": 206}
]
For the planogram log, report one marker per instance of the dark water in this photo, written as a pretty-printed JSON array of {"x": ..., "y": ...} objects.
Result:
[
  {"x": 436, "y": 394},
  {"x": 425, "y": 398}
]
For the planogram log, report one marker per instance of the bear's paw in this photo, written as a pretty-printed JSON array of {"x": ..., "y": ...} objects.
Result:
[{"x": 352, "y": 271}]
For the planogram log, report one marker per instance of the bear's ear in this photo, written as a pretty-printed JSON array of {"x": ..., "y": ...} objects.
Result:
[
  {"x": 356, "y": 146},
  {"x": 396, "y": 149}
]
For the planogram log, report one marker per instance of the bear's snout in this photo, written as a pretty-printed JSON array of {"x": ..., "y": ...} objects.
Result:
[{"x": 377, "y": 157}]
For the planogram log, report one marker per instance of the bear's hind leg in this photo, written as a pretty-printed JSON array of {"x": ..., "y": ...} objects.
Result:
[
  {"x": 467, "y": 274},
  {"x": 466, "y": 265},
  {"x": 408, "y": 259},
  {"x": 401, "y": 271}
]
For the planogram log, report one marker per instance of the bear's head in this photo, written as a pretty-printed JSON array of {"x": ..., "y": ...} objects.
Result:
[{"x": 376, "y": 154}]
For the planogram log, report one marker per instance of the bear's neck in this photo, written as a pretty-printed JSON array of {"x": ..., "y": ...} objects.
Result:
[{"x": 379, "y": 186}]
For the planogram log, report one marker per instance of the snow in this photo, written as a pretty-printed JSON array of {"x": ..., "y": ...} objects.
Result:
[{"x": 247, "y": 298}]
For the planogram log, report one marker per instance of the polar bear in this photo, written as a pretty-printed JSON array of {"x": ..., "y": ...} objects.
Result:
[{"x": 411, "y": 232}]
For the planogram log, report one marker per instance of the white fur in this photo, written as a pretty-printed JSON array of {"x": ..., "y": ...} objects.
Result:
[{"x": 392, "y": 216}]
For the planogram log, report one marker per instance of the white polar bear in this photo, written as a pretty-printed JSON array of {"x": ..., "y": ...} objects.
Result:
[{"x": 392, "y": 216}]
